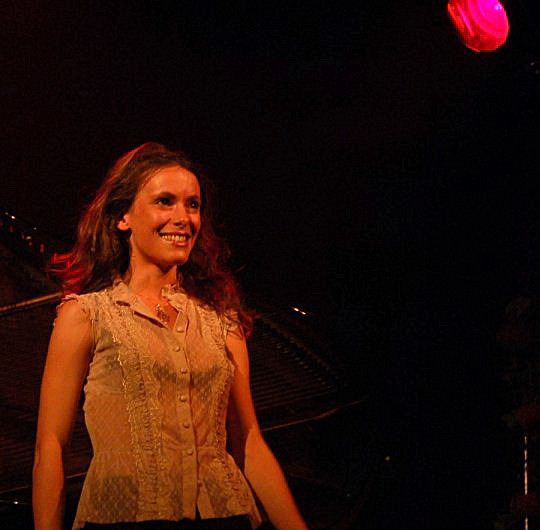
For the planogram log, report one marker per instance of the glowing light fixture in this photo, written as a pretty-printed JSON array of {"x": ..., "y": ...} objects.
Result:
[{"x": 482, "y": 24}]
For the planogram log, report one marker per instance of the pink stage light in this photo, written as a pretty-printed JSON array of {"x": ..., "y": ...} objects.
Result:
[{"x": 482, "y": 24}]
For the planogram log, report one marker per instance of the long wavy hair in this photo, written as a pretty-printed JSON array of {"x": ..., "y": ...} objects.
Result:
[{"x": 101, "y": 252}]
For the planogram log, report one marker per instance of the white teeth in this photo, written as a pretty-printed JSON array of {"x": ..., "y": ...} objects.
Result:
[{"x": 174, "y": 237}]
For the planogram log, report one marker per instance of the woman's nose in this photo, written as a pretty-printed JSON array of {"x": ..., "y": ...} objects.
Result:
[{"x": 180, "y": 217}]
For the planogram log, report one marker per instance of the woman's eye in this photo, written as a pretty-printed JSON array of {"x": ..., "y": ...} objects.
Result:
[
  {"x": 164, "y": 200},
  {"x": 194, "y": 204}
]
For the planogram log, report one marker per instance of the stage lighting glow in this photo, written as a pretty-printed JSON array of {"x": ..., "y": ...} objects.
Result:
[{"x": 481, "y": 24}]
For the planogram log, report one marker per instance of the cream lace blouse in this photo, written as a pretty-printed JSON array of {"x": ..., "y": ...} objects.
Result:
[{"x": 155, "y": 409}]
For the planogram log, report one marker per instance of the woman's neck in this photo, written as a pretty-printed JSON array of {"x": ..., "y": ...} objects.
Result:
[{"x": 149, "y": 281}]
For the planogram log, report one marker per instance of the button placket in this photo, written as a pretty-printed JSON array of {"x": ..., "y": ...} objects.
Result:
[
  {"x": 188, "y": 436},
  {"x": 179, "y": 347},
  {"x": 185, "y": 421},
  {"x": 181, "y": 323}
]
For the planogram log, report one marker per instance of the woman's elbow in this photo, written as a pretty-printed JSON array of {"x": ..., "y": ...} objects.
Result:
[{"x": 255, "y": 445}]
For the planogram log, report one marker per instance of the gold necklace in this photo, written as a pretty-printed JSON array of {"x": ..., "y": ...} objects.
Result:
[
  {"x": 160, "y": 312},
  {"x": 163, "y": 317}
]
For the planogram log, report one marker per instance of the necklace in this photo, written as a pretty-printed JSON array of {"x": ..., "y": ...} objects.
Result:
[
  {"x": 160, "y": 312},
  {"x": 159, "y": 308}
]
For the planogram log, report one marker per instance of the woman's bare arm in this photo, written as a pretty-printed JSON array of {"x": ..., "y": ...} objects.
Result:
[
  {"x": 65, "y": 369},
  {"x": 249, "y": 448}
]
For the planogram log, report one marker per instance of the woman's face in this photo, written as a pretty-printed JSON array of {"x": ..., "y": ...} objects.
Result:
[{"x": 164, "y": 219}]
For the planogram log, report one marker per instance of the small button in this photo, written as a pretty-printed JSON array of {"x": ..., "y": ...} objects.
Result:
[
  {"x": 189, "y": 452},
  {"x": 183, "y": 371},
  {"x": 183, "y": 398},
  {"x": 186, "y": 424},
  {"x": 235, "y": 488},
  {"x": 177, "y": 348},
  {"x": 199, "y": 482},
  {"x": 179, "y": 329}
]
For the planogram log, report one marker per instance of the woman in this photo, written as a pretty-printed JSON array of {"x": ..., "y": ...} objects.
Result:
[{"x": 152, "y": 325}]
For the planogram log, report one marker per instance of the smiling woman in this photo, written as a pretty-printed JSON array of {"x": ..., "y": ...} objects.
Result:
[
  {"x": 103, "y": 250},
  {"x": 153, "y": 327},
  {"x": 164, "y": 219}
]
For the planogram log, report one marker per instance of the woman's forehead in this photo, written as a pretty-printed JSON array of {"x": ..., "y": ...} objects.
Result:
[{"x": 174, "y": 179}]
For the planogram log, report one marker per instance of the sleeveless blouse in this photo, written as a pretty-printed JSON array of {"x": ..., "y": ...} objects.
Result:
[{"x": 155, "y": 409}]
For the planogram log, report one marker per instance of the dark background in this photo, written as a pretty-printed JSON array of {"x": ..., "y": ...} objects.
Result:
[{"x": 371, "y": 169}]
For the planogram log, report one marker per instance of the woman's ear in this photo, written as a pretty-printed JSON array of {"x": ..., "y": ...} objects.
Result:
[{"x": 123, "y": 224}]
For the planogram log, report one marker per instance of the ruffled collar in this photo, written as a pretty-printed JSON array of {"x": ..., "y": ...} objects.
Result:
[{"x": 122, "y": 294}]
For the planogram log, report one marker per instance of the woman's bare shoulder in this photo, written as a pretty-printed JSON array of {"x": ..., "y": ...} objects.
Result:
[
  {"x": 73, "y": 318},
  {"x": 78, "y": 308}
]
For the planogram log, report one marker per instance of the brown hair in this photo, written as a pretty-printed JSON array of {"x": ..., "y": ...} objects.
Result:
[{"x": 101, "y": 252}]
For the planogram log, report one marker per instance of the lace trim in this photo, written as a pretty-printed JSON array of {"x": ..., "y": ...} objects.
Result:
[
  {"x": 213, "y": 326},
  {"x": 238, "y": 494},
  {"x": 144, "y": 411}
]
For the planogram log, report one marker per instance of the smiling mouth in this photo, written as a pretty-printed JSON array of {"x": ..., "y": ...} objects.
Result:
[{"x": 176, "y": 238}]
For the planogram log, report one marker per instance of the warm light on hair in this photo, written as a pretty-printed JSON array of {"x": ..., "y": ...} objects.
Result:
[
  {"x": 102, "y": 253},
  {"x": 482, "y": 24}
]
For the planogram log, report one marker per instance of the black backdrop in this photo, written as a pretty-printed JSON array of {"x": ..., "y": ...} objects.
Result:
[{"x": 371, "y": 169}]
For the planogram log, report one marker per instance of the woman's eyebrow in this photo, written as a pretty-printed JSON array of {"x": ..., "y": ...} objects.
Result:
[
  {"x": 163, "y": 193},
  {"x": 170, "y": 194}
]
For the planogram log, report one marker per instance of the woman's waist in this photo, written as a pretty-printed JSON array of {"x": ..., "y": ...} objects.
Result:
[{"x": 176, "y": 450}]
